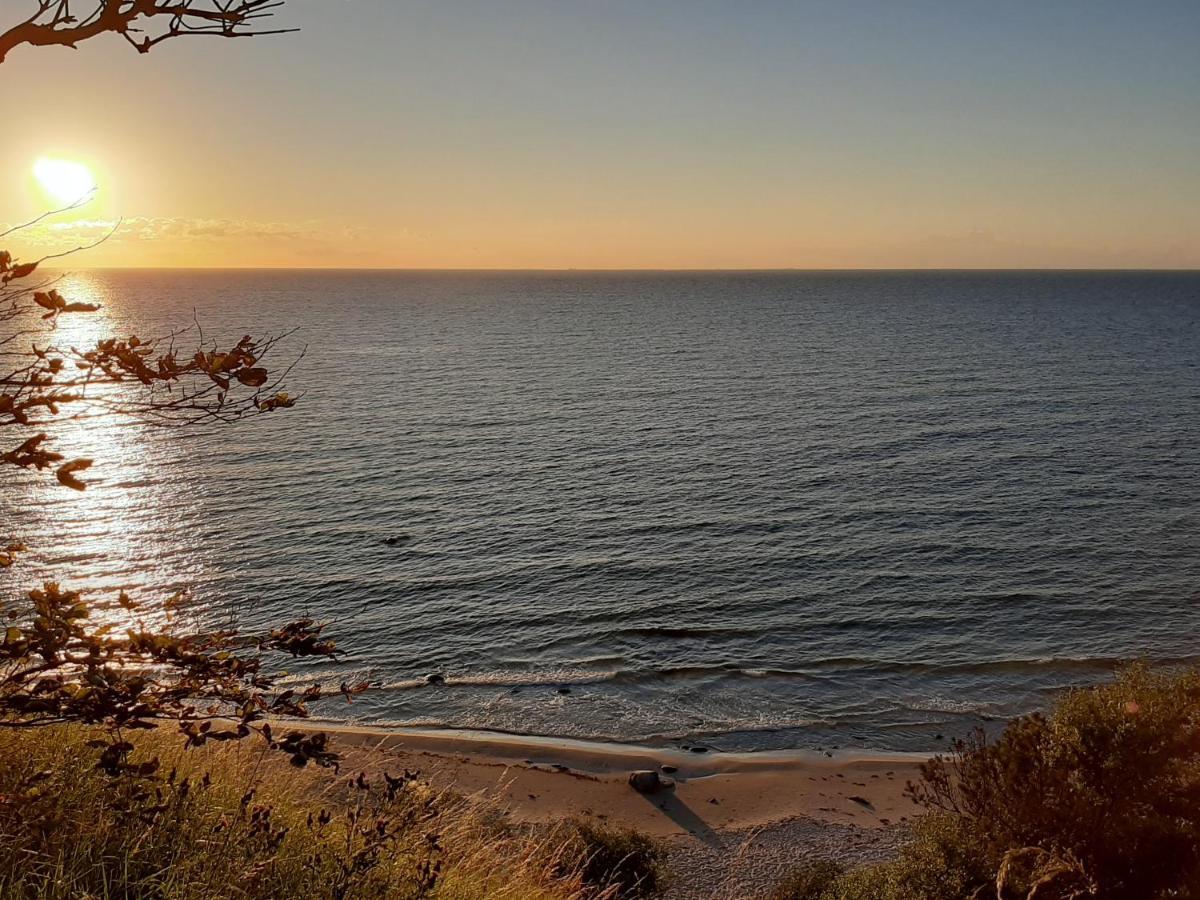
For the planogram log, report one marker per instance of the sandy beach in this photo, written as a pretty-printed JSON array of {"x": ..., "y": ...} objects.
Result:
[{"x": 734, "y": 822}]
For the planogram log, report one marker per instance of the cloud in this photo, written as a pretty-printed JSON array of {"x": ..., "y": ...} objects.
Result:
[
  {"x": 193, "y": 241},
  {"x": 56, "y": 236}
]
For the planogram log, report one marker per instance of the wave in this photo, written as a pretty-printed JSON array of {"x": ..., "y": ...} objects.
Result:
[
  {"x": 817, "y": 672},
  {"x": 1091, "y": 664},
  {"x": 686, "y": 631}
]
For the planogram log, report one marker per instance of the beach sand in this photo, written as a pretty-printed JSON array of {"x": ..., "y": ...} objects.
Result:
[{"x": 734, "y": 822}]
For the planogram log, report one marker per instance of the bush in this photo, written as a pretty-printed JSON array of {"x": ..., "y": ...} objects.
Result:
[
  {"x": 942, "y": 862},
  {"x": 938, "y": 864},
  {"x": 619, "y": 860},
  {"x": 1108, "y": 784},
  {"x": 1100, "y": 799},
  {"x": 235, "y": 820},
  {"x": 813, "y": 880}
]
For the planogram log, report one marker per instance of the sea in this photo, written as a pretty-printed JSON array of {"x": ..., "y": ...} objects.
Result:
[{"x": 749, "y": 510}]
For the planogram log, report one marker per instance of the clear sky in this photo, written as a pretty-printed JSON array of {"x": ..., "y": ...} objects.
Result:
[{"x": 647, "y": 133}]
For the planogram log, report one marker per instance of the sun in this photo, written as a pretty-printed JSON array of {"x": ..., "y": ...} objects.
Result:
[{"x": 64, "y": 181}]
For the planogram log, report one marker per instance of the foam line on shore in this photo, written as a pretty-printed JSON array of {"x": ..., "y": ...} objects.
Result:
[{"x": 600, "y": 756}]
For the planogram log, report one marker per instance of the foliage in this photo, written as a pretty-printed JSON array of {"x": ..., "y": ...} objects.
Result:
[
  {"x": 57, "y": 666},
  {"x": 613, "y": 858},
  {"x": 63, "y": 658},
  {"x": 939, "y": 863},
  {"x": 149, "y": 379},
  {"x": 812, "y": 880},
  {"x": 1109, "y": 783},
  {"x": 232, "y": 820},
  {"x": 1100, "y": 799}
]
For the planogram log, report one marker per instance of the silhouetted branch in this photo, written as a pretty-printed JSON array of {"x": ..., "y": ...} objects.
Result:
[
  {"x": 146, "y": 379},
  {"x": 64, "y": 23}
]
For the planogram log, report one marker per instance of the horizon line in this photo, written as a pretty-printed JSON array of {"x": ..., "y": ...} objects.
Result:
[{"x": 635, "y": 269}]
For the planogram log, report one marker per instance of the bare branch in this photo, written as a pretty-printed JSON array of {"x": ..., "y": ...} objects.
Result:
[{"x": 54, "y": 23}]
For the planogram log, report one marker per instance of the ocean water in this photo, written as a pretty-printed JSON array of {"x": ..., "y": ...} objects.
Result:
[{"x": 759, "y": 510}]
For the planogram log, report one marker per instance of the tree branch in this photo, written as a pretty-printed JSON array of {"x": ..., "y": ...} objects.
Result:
[{"x": 54, "y": 23}]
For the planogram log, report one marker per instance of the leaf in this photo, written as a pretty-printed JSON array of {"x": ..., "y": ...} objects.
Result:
[
  {"x": 279, "y": 401},
  {"x": 66, "y": 473},
  {"x": 252, "y": 377}
]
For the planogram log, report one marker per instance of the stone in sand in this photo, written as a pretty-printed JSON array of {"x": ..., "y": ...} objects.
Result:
[
  {"x": 435, "y": 678},
  {"x": 647, "y": 781}
]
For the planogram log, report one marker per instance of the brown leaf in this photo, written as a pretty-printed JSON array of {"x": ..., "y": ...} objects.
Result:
[
  {"x": 252, "y": 377},
  {"x": 66, "y": 473}
]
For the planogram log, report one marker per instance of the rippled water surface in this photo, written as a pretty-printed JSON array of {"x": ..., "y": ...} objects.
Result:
[{"x": 773, "y": 510}]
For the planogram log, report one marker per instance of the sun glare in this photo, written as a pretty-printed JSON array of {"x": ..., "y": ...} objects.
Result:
[{"x": 64, "y": 181}]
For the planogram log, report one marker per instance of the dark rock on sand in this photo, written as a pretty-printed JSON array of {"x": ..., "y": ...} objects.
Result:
[
  {"x": 647, "y": 781},
  {"x": 435, "y": 678}
]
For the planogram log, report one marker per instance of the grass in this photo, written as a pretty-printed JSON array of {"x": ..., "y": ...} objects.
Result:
[
  {"x": 234, "y": 820},
  {"x": 622, "y": 857}
]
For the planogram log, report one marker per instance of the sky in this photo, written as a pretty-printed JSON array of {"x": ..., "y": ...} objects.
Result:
[{"x": 614, "y": 134}]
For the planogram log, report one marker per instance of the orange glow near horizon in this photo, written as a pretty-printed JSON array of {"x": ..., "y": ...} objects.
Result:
[{"x": 602, "y": 136}]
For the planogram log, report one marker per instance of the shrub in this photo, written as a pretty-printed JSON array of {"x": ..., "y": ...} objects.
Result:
[
  {"x": 1099, "y": 799},
  {"x": 814, "y": 880},
  {"x": 1108, "y": 783},
  {"x": 623, "y": 861},
  {"x": 940, "y": 863}
]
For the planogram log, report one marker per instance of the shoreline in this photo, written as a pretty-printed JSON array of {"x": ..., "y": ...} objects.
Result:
[
  {"x": 738, "y": 820},
  {"x": 589, "y": 751},
  {"x": 541, "y": 779}
]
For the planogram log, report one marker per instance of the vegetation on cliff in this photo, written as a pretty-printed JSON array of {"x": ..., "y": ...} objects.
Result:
[{"x": 1098, "y": 799}]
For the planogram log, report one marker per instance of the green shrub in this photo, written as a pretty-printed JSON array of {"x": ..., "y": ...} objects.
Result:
[
  {"x": 1100, "y": 799},
  {"x": 1108, "y": 783},
  {"x": 617, "y": 858},
  {"x": 813, "y": 880},
  {"x": 940, "y": 863}
]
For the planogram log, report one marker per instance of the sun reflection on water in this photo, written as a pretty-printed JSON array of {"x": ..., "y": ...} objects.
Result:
[{"x": 121, "y": 533}]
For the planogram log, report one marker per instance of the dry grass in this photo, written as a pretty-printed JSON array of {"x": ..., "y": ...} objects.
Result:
[{"x": 235, "y": 821}]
